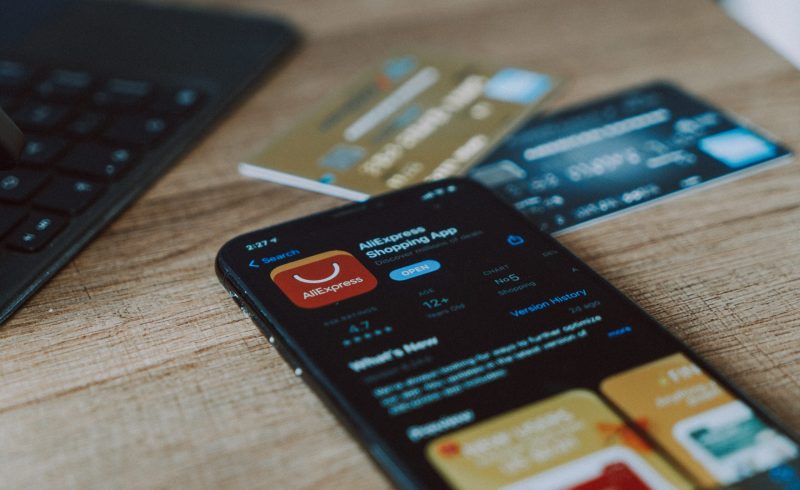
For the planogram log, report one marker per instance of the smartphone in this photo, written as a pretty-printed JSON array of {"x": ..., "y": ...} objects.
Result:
[{"x": 466, "y": 349}]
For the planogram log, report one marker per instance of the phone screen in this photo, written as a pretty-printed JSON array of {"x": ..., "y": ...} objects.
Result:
[{"x": 468, "y": 350}]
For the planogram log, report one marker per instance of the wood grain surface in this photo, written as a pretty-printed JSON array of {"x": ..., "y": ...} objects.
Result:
[{"x": 133, "y": 369}]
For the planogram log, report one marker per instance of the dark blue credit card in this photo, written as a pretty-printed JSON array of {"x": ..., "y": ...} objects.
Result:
[{"x": 589, "y": 162}]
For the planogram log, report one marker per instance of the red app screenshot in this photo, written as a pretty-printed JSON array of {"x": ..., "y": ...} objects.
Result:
[{"x": 323, "y": 279}]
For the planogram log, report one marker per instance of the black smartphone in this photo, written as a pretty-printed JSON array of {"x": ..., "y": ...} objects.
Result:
[{"x": 466, "y": 349}]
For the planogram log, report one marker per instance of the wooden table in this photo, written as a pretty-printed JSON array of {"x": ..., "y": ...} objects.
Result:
[{"x": 132, "y": 368}]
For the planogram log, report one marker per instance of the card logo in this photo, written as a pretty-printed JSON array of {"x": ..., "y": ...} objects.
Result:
[{"x": 323, "y": 279}]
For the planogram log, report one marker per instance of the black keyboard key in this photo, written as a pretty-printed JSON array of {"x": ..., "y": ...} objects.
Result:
[
  {"x": 11, "y": 138},
  {"x": 68, "y": 195},
  {"x": 40, "y": 117},
  {"x": 136, "y": 130},
  {"x": 9, "y": 217},
  {"x": 36, "y": 231},
  {"x": 177, "y": 101},
  {"x": 8, "y": 103},
  {"x": 18, "y": 185},
  {"x": 123, "y": 94},
  {"x": 13, "y": 76},
  {"x": 64, "y": 85},
  {"x": 87, "y": 124},
  {"x": 93, "y": 160},
  {"x": 40, "y": 150}
]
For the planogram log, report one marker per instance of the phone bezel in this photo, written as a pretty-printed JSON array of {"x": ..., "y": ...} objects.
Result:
[{"x": 378, "y": 448}]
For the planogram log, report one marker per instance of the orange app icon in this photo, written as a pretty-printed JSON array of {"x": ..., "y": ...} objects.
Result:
[{"x": 323, "y": 279}]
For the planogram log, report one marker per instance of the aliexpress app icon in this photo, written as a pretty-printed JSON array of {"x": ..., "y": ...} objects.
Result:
[{"x": 323, "y": 279}]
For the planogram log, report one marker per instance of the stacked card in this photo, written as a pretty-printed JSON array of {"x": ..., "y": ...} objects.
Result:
[
  {"x": 413, "y": 118},
  {"x": 420, "y": 117},
  {"x": 607, "y": 156}
]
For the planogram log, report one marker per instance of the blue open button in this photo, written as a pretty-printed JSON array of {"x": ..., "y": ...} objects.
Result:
[{"x": 415, "y": 270}]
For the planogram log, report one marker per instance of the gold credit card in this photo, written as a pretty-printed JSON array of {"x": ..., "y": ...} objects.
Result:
[{"x": 412, "y": 118}]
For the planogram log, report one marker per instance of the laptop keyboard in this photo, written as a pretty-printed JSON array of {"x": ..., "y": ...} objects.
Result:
[{"x": 83, "y": 132}]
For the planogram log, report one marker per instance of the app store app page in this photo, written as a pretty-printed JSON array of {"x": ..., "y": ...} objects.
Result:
[{"x": 483, "y": 355}]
